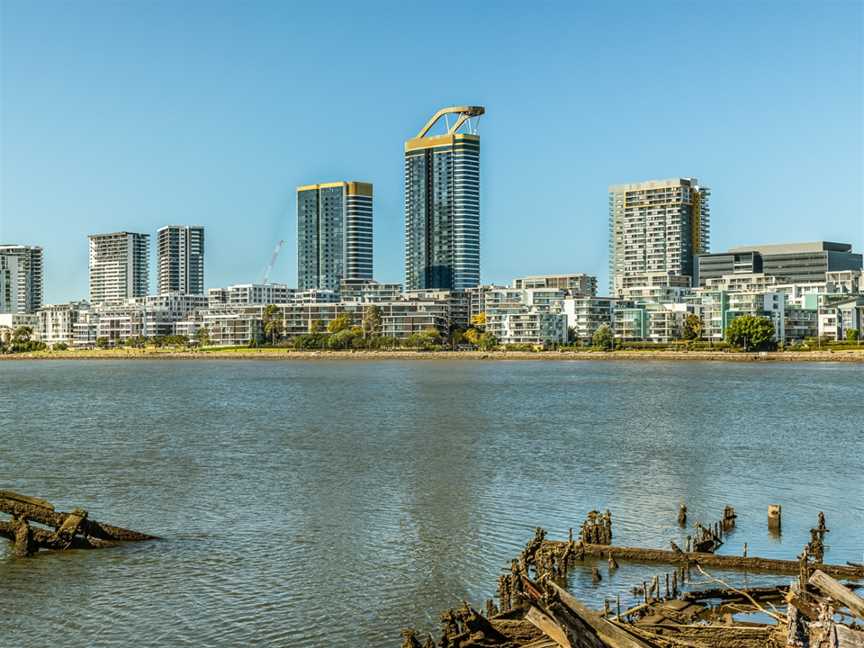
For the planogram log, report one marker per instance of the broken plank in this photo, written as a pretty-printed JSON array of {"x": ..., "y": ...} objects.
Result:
[
  {"x": 849, "y": 638},
  {"x": 548, "y": 626},
  {"x": 26, "y": 499},
  {"x": 56, "y": 519},
  {"x": 831, "y": 588},
  {"x": 608, "y": 631}
]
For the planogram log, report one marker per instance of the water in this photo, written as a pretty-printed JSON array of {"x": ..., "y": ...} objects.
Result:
[{"x": 333, "y": 503}]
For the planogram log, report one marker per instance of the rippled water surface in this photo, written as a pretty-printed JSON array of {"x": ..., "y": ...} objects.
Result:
[{"x": 332, "y": 503}]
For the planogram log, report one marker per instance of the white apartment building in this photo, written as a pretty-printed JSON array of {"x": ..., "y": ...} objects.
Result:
[
  {"x": 56, "y": 322},
  {"x": 585, "y": 315},
  {"x": 251, "y": 294},
  {"x": 658, "y": 226},
  {"x": 119, "y": 266},
  {"x": 575, "y": 285}
]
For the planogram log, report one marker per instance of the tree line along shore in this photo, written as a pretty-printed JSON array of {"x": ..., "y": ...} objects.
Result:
[
  {"x": 840, "y": 354},
  {"x": 747, "y": 338}
]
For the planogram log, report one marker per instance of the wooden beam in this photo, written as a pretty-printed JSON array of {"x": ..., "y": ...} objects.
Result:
[
  {"x": 47, "y": 540},
  {"x": 548, "y": 626},
  {"x": 35, "y": 501},
  {"x": 609, "y": 632},
  {"x": 831, "y": 588},
  {"x": 749, "y": 563}
]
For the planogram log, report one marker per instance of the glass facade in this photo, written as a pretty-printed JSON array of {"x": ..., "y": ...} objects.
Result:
[
  {"x": 181, "y": 259},
  {"x": 334, "y": 234},
  {"x": 442, "y": 213}
]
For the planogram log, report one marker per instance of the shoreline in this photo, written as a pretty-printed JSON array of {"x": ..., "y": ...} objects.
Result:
[{"x": 854, "y": 356}]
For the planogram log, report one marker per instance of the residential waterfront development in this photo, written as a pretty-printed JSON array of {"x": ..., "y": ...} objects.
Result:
[{"x": 662, "y": 273}]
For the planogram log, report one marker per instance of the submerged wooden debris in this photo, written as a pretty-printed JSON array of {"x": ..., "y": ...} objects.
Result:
[
  {"x": 534, "y": 609},
  {"x": 73, "y": 530}
]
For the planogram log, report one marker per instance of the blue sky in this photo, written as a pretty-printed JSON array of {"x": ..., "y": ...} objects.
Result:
[{"x": 133, "y": 115}]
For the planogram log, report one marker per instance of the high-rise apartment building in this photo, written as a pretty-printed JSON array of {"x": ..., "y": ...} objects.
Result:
[
  {"x": 334, "y": 234},
  {"x": 180, "y": 250},
  {"x": 442, "y": 203},
  {"x": 119, "y": 266},
  {"x": 657, "y": 226},
  {"x": 20, "y": 278}
]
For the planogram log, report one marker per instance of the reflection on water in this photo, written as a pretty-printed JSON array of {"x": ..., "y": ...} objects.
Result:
[{"x": 333, "y": 503}]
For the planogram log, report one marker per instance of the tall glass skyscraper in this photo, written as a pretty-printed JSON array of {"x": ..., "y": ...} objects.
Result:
[
  {"x": 334, "y": 234},
  {"x": 442, "y": 203}
]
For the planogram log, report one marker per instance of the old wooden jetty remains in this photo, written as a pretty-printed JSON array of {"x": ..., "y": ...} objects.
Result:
[
  {"x": 73, "y": 530},
  {"x": 534, "y": 609}
]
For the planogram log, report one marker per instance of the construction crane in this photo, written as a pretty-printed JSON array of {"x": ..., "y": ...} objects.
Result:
[{"x": 273, "y": 258}]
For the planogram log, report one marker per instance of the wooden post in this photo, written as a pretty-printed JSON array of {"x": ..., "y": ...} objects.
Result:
[
  {"x": 774, "y": 518},
  {"x": 618, "y": 606},
  {"x": 667, "y": 585}
]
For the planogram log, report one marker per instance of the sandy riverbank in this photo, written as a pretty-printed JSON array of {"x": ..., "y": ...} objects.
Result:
[{"x": 844, "y": 355}]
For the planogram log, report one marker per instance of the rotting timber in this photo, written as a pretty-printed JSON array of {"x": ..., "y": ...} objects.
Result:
[
  {"x": 534, "y": 609},
  {"x": 72, "y": 530}
]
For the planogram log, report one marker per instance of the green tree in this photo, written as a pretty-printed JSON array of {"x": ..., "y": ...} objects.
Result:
[
  {"x": 372, "y": 321},
  {"x": 852, "y": 334},
  {"x": 603, "y": 338},
  {"x": 60, "y": 346},
  {"x": 22, "y": 335},
  {"x": 339, "y": 323},
  {"x": 203, "y": 336},
  {"x": 343, "y": 339},
  {"x": 271, "y": 319},
  {"x": 487, "y": 341},
  {"x": 315, "y": 326},
  {"x": 102, "y": 342},
  {"x": 457, "y": 336},
  {"x": 693, "y": 327},
  {"x": 750, "y": 332}
]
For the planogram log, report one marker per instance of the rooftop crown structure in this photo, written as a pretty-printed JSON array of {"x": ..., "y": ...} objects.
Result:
[{"x": 442, "y": 203}]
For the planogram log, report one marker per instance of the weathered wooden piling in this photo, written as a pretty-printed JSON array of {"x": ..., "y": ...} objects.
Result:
[{"x": 774, "y": 518}]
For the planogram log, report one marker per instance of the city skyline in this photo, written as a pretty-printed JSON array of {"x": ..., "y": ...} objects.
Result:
[{"x": 550, "y": 148}]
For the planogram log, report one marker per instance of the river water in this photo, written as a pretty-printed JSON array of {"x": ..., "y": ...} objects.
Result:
[{"x": 332, "y": 503}]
